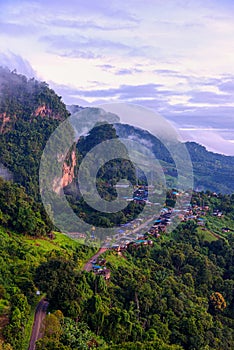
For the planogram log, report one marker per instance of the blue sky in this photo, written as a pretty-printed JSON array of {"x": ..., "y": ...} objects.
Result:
[{"x": 176, "y": 57}]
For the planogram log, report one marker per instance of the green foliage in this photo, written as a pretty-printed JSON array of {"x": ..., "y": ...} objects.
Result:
[
  {"x": 19, "y": 258},
  {"x": 160, "y": 299},
  {"x": 64, "y": 333},
  {"x": 18, "y": 318},
  {"x": 211, "y": 171},
  {"x": 29, "y": 112},
  {"x": 20, "y": 212}
]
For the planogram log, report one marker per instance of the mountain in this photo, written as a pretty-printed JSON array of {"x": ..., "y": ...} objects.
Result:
[
  {"x": 30, "y": 111},
  {"x": 211, "y": 171},
  {"x": 175, "y": 293}
]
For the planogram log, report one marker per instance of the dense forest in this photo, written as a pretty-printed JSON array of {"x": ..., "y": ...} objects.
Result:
[
  {"x": 175, "y": 294},
  {"x": 29, "y": 112},
  {"x": 178, "y": 294}
]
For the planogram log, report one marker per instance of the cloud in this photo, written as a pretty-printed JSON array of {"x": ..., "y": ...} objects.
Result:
[
  {"x": 119, "y": 71},
  {"x": 76, "y": 53},
  {"x": 16, "y": 62},
  {"x": 16, "y": 29},
  {"x": 73, "y": 45},
  {"x": 92, "y": 25},
  {"x": 209, "y": 97},
  {"x": 69, "y": 94},
  {"x": 124, "y": 92},
  {"x": 212, "y": 139},
  {"x": 126, "y": 71},
  {"x": 227, "y": 86},
  {"x": 106, "y": 66}
]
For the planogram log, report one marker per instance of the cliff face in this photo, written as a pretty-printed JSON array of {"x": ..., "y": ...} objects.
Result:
[
  {"x": 44, "y": 111},
  {"x": 68, "y": 174},
  {"x": 7, "y": 122},
  {"x": 24, "y": 99},
  {"x": 69, "y": 171}
]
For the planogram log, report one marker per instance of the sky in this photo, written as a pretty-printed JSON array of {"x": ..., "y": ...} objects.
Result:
[{"x": 175, "y": 57}]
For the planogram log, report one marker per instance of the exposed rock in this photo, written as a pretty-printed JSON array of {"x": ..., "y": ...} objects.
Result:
[
  {"x": 5, "y": 122},
  {"x": 68, "y": 174},
  {"x": 44, "y": 111}
]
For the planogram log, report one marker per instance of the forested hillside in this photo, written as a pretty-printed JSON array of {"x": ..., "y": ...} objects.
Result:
[
  {"x": 174, "y": 294},
  {"x": 211, "y": 171},
  {"x": 29, "y": 112},
  {"x": 178, "y": 294}
]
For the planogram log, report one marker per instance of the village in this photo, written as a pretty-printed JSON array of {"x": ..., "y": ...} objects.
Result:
[{"x": 128, "y": 234}]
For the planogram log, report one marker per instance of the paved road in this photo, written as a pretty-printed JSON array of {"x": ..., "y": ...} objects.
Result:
[
  {"x": 38, "y": 318},
  {"x": 88, "y": 265}
]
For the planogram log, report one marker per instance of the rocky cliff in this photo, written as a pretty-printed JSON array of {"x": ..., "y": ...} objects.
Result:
[{"x": 68, "y": 173}]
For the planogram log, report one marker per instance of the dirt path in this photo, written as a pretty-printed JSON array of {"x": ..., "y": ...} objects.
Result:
[{"x": 38, "y": 318}]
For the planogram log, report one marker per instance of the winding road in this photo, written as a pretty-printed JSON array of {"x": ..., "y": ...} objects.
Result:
[{"x": 38, "y": 318}]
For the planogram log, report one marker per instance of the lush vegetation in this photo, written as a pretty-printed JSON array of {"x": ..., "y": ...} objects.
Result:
[
  {"x": 20, "y": 212},
  {"x": 29, "y": 112},
  {"x": 20, "y": 256},
  {"x": 175, "y": 295},
  {"x": 211, "y": 171}
]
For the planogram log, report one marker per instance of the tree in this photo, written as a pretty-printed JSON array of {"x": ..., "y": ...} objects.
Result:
[
  {"x": 51, "y": 327},
  {"x": 217, "y": 302}
]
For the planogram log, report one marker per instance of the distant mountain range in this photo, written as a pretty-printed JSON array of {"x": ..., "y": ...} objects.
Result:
[{"x": 212, "y": 171}]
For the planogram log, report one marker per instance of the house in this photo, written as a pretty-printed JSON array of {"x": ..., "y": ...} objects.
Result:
[
  {"x": 201, "y": 223},
  {"x": 141, "y": 241},
  {"x": 206, "y": 207},
  {"x": 162, "y": 228},
  {"x": 116, "y": 247},
  {"x": 102, "y": 262},
  {"x": 106, "y": 273},
  {"x": 217, "y": 213},
  {"x": 225, "y": 229}
]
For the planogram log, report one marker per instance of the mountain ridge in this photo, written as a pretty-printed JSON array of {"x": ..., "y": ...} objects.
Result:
[{"x": 30, "y": 111}]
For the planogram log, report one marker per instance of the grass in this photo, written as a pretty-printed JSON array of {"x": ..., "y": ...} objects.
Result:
[
  {"x": 206, "y": 234},
  {"x": 215, "y": 224},
  {"x": 61, "y": 241},
  {"x": 116, "y": 260}
]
